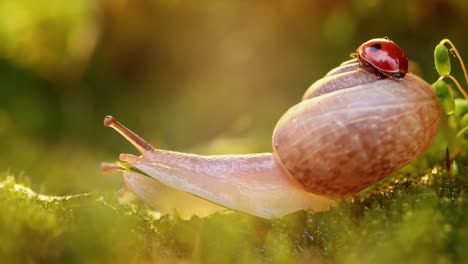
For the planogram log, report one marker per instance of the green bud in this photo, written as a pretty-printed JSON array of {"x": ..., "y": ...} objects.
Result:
[
  {"x": 464, "y": 121},
  {"x": 461, "y": 107},
  {"x": 463, "y": 135},
  {"x": 454, "y": 169},
  {"x": 442, "y": 60},
  {"x": 445, "y": 97}
]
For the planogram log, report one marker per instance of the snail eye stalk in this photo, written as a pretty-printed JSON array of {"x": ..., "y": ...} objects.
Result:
[{"x": 140, "y": 144}]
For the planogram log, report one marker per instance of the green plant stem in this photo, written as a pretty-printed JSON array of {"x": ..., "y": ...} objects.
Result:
[
  {"x": 454, "y": 80},
  {"x": 457, "y": 54}
]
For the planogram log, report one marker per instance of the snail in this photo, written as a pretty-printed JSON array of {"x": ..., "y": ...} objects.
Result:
[{"x": 351, "y": 129}]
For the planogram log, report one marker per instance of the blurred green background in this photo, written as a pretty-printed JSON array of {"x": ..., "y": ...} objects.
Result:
[{"x": 202, "y": 76}]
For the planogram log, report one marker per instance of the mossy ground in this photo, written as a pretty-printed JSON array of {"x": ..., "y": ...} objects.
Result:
[{"x": 417, "y": 218}]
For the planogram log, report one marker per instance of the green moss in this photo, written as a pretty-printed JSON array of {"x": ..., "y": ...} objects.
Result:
[{"x": 416, "y": 219}]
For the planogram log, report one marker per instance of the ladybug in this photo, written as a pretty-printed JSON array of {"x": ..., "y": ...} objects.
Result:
[{"x": 383, "y": 55}]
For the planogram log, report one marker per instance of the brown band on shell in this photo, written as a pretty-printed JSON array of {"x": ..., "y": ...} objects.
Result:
[
  {"x": 346, "y": 66},
  {"x": 340, "y": 80}
]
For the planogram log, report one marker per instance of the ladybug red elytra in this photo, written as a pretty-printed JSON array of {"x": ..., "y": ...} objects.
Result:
[{"x": 383, "y": 55}]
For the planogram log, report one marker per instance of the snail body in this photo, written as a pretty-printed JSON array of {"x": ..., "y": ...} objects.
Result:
[
  {"x": 251, "y": 183},
  {"x": 351, "y": 129}
]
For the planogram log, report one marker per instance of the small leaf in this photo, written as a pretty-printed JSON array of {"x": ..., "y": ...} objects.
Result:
[
  {"x": 445, "y": 97},
  {"x": 454, "y": 169},
  {"x": 461, "y": 107},
  {"x": 442, "y": 60},
  {"x": 464, "y": 121},
  {"x": 463, "y": 135}
]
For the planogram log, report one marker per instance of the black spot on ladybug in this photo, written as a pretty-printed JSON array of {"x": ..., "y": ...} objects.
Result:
[{"x": 376, "y": 47}]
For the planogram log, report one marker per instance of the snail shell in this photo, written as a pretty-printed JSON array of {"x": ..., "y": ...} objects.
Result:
[{"x": 352, "y": 129}]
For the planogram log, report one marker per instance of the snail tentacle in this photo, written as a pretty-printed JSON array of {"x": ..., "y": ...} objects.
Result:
[{"x": 139, "y": 143}]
